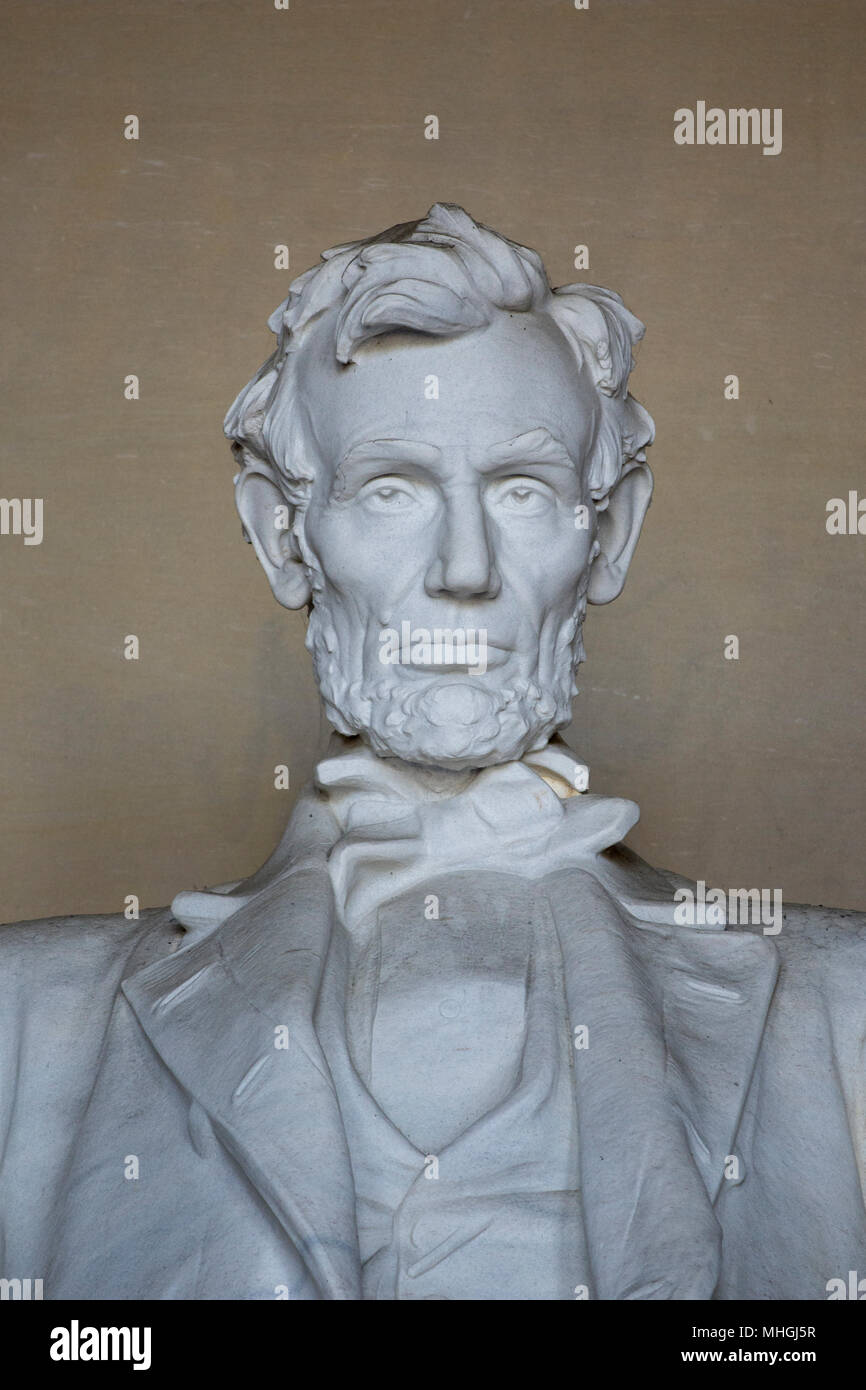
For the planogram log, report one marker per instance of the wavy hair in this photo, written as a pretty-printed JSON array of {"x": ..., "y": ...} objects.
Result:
[{"x": 442, "y": 275}]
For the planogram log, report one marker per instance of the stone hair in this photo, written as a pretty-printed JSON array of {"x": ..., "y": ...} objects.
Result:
[{"x": 442, "y": 275}]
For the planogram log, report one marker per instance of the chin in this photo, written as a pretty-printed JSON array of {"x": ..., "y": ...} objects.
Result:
[{"x": 454, "y": 724}]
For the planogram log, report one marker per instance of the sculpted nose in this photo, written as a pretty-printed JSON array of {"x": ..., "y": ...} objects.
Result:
[{"x": 464, "y": 566}]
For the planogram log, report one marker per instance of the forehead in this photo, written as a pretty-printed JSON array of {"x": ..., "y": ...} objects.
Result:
[{"x": 492, "y": 384}]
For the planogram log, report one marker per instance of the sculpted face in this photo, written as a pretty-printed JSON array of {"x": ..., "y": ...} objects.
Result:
[
  {"x": 458, "y": 467},
  {"x": 453, "y": 513}
]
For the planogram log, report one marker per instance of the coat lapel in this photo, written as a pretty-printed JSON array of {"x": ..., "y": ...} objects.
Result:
[
  {"x": 231, "y": 1016},
  {"x": 674, "y": 1019}
]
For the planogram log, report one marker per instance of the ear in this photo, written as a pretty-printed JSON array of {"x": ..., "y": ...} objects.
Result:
[
  {"x": 619, "y": 527},
  {"x": 267, "y": 518}
]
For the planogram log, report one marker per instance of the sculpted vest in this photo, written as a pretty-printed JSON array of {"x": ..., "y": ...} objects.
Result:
[{"x": 495, "y": 1212}]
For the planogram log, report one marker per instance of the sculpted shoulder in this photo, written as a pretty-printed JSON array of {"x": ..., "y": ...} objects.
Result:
[
  {"x": 66, "y": 952},
  {"x": 816, "y": 931},
  {"x": 822, "y": 954}
]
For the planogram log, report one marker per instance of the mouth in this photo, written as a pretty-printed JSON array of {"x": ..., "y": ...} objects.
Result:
[
  {"x": 441, "y": 651},
  {"x": 487, "y": 657}
]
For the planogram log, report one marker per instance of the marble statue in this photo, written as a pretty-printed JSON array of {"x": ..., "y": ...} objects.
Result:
[{"x": 453, "y": 1040}]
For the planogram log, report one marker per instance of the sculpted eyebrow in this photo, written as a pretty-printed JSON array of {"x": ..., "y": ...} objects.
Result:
[
  {"x": 536, "y": 446},
  {"x": 356, "y": 463}
]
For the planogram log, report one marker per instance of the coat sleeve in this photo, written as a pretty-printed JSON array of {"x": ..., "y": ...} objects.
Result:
[{"x": 59, "y": 978}]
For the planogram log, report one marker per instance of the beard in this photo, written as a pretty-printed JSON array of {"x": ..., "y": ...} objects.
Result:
[{"x": 444, "y": 721}]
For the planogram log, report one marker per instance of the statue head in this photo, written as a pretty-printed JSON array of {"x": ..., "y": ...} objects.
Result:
[{"x": 442, "y": 462}]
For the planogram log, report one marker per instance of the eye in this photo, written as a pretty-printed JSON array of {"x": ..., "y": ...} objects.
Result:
[
  {"x": 387, "y": 495},
  {"x": 521, "y": 496}
]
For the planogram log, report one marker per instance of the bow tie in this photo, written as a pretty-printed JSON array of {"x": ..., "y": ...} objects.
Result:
[
  {"x": 385, "y": 827},
  {"x": 399, "y": 831}
]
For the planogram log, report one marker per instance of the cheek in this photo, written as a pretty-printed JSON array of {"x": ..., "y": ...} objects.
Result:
[
  {"x": 354, "y": 562},
  {"x": 551, "y": 558}
]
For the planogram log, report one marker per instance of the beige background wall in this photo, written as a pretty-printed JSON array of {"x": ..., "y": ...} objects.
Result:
[{"x": 306, "y": 127}]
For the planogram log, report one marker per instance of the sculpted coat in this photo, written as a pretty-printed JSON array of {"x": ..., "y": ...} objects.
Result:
[{"x": 143, "y": 1039}]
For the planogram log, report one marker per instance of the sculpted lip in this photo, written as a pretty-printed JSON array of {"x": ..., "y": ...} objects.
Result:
[
  {"x": 491, "y": 654},
  {"x": 443, "y": 668}
]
